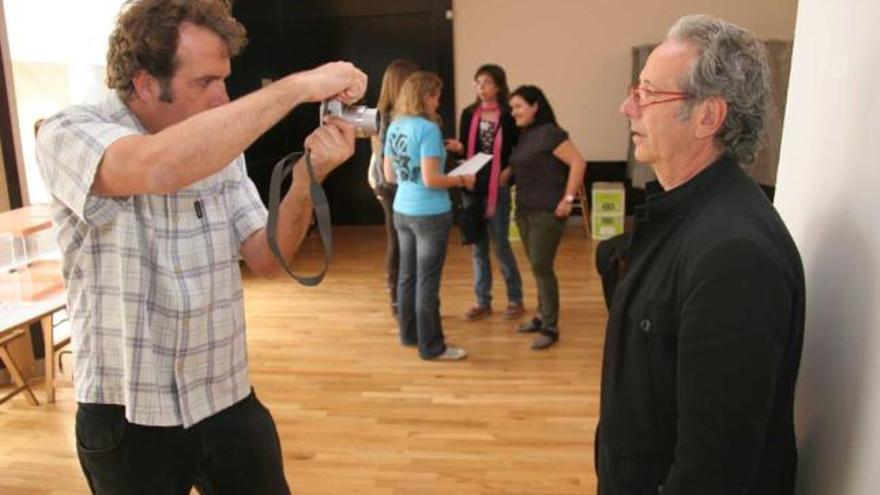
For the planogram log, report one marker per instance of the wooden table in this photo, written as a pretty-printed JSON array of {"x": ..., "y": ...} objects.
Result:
[
  {"x": 31, "y": 290},
  {"x": 26, "y": 220},
  {"x": 18, "y": 315}
]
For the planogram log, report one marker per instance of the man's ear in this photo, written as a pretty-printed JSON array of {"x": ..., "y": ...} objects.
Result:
[
  {"x": 146, "y": 87},
  {"x": 711, "y": 114}
]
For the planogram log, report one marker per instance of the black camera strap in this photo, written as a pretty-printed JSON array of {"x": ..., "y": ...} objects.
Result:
[{"x": 282, "y": 169}]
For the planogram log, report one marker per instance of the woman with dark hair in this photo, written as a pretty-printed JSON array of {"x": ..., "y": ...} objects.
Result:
[
  {"x": 415, "y": 159},
  {"x": 392, "y": 80},
  {"x": 487, "y": 126},
  {"x": 547, "y": 169}
]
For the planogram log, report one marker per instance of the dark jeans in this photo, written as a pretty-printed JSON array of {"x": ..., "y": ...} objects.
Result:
[
  {"x": 385, "y": 194},
  {"x": 498, "y": 227},
  {"x": 236, "y": 451},
  {"x": 541, "y": 233},
  {"x": 423, "y": 241}
]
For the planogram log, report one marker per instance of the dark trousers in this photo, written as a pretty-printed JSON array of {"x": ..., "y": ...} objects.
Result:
[
  {"x": 541, "y": 234},
  {"x": 236, "y": 451},
  {"x": 385, "y": 194},
  {"x": 423, "y": 241}
]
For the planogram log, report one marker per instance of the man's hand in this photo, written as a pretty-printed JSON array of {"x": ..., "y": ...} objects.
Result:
[
  {"x": 330, "y": 145},
  {"x": 340, "y": 80}
]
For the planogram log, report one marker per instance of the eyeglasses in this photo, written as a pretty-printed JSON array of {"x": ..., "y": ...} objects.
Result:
[{"x": 644, "y": 97}]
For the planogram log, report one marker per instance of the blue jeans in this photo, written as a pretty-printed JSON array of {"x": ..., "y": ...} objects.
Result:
[
  {"x": 498, "y": 227},
  {"x": 423, "y": 241}
]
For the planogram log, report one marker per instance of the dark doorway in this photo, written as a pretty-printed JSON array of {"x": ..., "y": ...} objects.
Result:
[
  {"x": 289, "y": 36},
  {"x": 7, "y": 140}
]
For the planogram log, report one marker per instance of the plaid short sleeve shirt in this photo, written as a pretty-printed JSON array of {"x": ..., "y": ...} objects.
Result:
[{"x": 153, "y": 282}]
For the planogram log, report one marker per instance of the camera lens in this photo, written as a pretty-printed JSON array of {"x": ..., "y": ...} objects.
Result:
[{"x": 364, "y": 119}]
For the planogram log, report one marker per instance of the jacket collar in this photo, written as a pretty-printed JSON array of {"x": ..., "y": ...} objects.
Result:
[{"x": 660, "y": 203}]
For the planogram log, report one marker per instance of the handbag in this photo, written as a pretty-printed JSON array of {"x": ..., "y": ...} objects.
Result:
[{"x": 470, "y": 217}]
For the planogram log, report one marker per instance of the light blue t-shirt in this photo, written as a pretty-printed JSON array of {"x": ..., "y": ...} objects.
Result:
[{"x": 407, "y": 141}]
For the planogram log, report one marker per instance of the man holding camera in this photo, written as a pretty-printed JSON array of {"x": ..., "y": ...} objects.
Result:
[{"x": 154, "y": 209}]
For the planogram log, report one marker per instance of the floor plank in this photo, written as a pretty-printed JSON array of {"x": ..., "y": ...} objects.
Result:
[{"x": 360, "y": 414}]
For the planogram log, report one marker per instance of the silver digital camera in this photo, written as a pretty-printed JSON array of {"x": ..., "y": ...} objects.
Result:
[{"x": 364, "y": 119}]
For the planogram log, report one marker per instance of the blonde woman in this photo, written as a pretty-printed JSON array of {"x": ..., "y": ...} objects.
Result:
[
  {"x": 415, "y": 159},
  {"x": 392, "y": 80}
]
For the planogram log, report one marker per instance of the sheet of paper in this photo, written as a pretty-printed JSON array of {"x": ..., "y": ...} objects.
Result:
[{"x": 472, "y": 165}]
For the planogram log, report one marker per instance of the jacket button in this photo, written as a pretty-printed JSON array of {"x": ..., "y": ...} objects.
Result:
[{"x": 645, "y": 325}]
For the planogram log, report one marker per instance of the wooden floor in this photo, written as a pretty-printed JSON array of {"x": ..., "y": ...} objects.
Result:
[{"x": 359, "y": 414}]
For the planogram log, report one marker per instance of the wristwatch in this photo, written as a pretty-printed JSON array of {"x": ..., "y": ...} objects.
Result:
[{"x": 569, "y": 198}]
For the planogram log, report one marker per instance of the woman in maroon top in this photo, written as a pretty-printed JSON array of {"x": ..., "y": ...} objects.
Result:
[{"x": 547, "y": 169}]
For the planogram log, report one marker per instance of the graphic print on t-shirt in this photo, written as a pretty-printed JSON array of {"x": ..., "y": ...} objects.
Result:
[
  {"x": 487, "y": 135},
  {"x": 401, "y": 160}
]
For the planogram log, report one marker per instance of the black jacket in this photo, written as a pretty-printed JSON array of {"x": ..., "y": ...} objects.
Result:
[
  {"x": 703, "y": 345},
  {"x": 509, "y": 134}
]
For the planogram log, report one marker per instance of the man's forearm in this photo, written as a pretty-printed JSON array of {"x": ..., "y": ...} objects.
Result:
[
  {"x": 205, "y": 143},
  {"x": 294, "y": 215},
  {"x": 172, "y": 158}
]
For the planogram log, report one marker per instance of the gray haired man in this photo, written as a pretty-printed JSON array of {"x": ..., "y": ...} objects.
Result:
[{"x": 706, "y": 322}]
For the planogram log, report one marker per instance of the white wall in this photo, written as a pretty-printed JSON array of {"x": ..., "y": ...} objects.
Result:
[
  {"x": 578, "y": 51},
  {"x": 828, "y": 195},
  {"x": 57, "y": 60}
]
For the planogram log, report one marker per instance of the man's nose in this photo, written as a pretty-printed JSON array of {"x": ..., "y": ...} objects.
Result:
[
  {"x": 220, "y": 97},
  {"x": 628, "y": 107}
]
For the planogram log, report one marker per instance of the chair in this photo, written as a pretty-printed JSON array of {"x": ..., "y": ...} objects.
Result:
[
  {"x": 17, "y": 378},
  {"x": 580, "y": 201},
  {"x": 54, "y": 344}
]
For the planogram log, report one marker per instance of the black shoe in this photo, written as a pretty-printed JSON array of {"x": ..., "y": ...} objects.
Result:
[{"x": 530, "y": 327}]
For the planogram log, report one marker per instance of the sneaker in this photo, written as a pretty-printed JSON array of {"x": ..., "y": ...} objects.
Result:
[
  {"x": 534, "y": 325},
  {"x": 451, "y": 354},
  {"x": 514, "y": 311},
  {"x": 545, "y": 339},
  {"x": 478, "y": 313}
]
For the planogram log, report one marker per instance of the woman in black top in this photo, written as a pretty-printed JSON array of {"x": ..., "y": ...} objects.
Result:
[
  {"x": 547, "y": 169},
  {"x": 487, "y": 126},
  {"x": 392, "y": 80}
]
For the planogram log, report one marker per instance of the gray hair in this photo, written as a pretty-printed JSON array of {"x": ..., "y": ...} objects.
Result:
[{"x": 732, "y": 65}]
